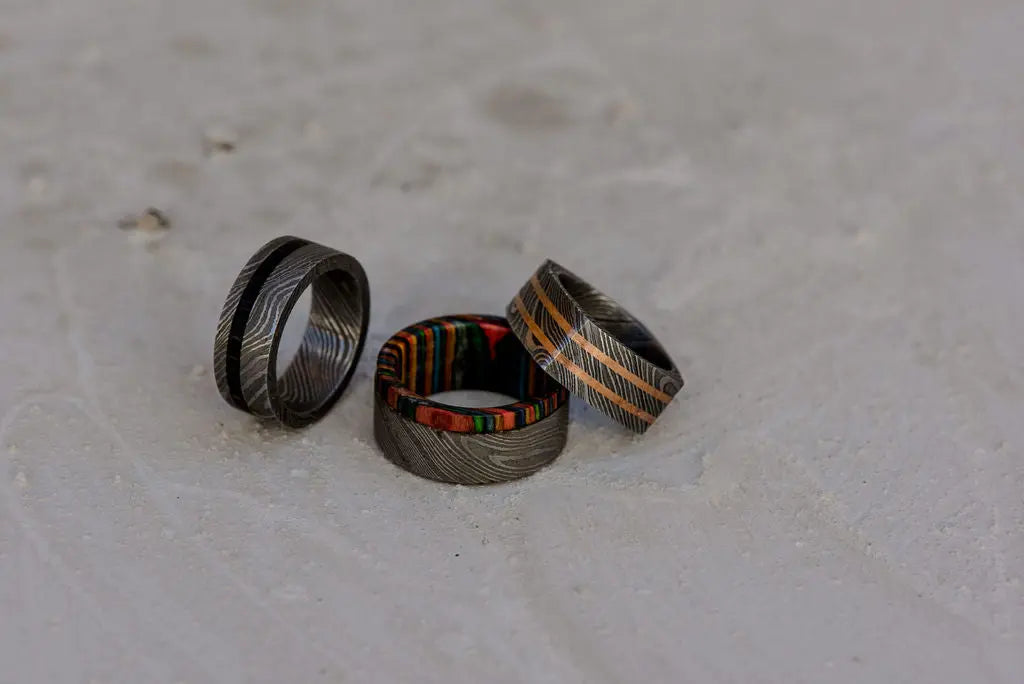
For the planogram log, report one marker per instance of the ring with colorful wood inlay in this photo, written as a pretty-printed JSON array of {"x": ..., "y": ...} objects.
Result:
[
  {"x": 590, "y": 344},
  {"x": 460, "y": 444}
]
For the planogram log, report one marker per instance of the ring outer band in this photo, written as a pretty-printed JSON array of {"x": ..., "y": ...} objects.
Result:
[
  {"x": 580, "y": 353},
  {"x": 245, "y": 348},
  {"x": 443, "y": 450},
  {"x": 467, "y": 458}
]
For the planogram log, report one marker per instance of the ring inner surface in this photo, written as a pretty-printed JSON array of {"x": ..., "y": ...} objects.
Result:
[
  {"x": 616, "y": 321},
  {"x": 328, "y": 344},
  {"x": 464, "y": 353}
]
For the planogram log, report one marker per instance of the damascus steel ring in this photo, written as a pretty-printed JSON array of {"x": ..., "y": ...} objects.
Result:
[
  {"x": 252, "y": 322},
  {"x": 458, "y": 444},
  {"x": 589, "y": 343}
]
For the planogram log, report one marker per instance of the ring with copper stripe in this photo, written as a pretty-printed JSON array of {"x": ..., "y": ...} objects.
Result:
[
  {"x": 576, "y": 337},
  {"x": 595, "y": 347},
  {"x": 580, "y": 374}
]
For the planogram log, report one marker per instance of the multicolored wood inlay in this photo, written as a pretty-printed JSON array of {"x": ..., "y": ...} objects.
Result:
[{"x": 459, "y": 353}]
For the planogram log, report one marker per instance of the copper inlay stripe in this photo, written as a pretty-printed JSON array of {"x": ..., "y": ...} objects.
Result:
[
  {"x": 576, "y": 337},
  {"x": 576, "y": 370}
]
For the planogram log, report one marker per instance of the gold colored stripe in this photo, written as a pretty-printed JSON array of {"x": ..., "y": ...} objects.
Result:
[
  {"x": 410, "y": 359},
  {"x": 449, "y": 355},
  {"x": 576, "y": 337},
  {"x": 576, "y": 370},
  {"x": 428, "y": 357}
]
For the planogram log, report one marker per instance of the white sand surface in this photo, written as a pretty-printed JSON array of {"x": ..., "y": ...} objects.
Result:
[{"x": 817, "y": 206}]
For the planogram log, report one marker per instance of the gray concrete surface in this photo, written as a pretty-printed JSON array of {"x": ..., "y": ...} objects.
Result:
[{"x": 817, "y": 205}]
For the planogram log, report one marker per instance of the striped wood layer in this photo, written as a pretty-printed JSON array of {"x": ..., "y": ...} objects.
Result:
[{"x": 464, "y": 352}]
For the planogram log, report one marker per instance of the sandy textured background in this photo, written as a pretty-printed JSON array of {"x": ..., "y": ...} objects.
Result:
[{"x": 817, "y": 206}]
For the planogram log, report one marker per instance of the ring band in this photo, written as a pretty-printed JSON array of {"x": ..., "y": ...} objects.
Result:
[
  {"x": 252, "y": 322},
  {"x": 458, "y": 444},
  {"x": 589, "y": 343}
]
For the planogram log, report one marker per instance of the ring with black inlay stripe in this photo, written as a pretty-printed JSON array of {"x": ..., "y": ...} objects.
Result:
[{"x": 253, "y": 321}]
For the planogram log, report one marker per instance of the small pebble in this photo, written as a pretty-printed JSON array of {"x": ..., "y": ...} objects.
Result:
[
  {"x": 150, "y": 221},
  {"x": 219, "y": 140}
]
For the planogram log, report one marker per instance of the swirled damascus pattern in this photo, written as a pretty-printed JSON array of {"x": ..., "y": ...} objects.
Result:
[
  {"x": 469, "y": 458},
  {"x": 597, "y": 349},
  {"x": 462, "y": 445},
  {"x": 252, "y": 321}
]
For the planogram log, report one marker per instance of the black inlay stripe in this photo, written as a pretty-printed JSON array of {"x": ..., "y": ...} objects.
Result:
[{"x": 244, "y": 310}]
